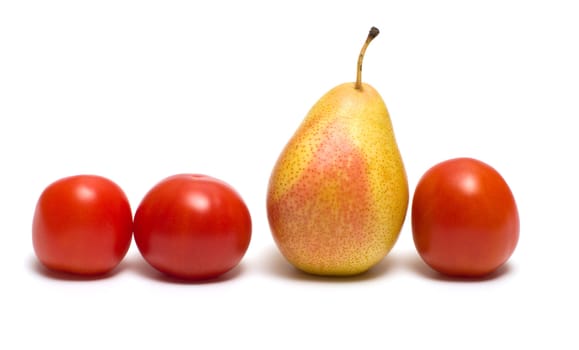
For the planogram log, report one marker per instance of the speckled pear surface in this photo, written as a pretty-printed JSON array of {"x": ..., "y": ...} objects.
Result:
[{"x": 338, "y": 194}]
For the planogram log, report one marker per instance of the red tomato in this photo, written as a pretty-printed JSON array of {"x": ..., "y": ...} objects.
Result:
[
  {"x": 192, "y": 227},
  {"x": 464, "y": 218},
  {"x": 82, "y": 225}
]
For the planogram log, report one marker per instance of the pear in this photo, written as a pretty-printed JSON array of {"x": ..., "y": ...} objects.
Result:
[{"x": 338, "y": 193}]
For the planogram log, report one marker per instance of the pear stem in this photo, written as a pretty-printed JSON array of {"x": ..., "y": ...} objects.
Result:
[{"x": 371, "y": 35}]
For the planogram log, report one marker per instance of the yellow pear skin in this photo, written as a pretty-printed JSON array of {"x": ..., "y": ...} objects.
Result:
[{"x": 338, "y": 194}]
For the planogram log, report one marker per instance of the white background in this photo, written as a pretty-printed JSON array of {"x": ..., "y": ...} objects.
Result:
[{"x": 140, "y": 90}]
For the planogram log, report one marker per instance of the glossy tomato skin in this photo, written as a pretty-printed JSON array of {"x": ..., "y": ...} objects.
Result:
[
  {"x": 192, "y": 227},
  {"x": 82, "y": 225},
  {"x": 465, "y": 220}
]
